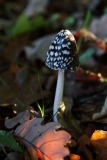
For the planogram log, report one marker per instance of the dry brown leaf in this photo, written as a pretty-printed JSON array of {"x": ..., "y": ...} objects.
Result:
[
  {"x": 37, "y": 50},
  {"x": 102, "y": 155},
  {"x": 98, "y": 26},
  {"x": 20, "y": 94},
  {"x": 21, "y": 118},
  {"x": 35, "y": 7},
  {"x": 27, "y": 155},
  {"x": 90, "y": 37},
  {"x": 83, "y": 147},
  {"x": 48, "y": 142},
  {"x": 33, "y": 153},
  {"x": 74, "y": 157},
  {"x": 99, "y": 140}
]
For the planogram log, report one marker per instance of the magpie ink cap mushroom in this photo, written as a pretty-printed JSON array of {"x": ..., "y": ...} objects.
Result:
[
  {"x": 62, "y": 56},
  {"x": 63, "y": 52}
]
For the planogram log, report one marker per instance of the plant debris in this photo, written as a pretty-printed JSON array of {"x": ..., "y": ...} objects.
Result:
[{"x": 27, "y": 85}]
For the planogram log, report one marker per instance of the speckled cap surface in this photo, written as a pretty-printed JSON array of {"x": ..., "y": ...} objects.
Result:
[{"x": 63, "y": 52}]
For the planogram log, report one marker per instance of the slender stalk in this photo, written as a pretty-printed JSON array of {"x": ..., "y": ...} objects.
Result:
[{"x": 58, "y": 94}]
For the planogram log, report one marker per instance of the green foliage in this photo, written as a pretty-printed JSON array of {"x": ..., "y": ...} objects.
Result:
[
  {"x": 55, "y": 17},
  {"x": 105, "y": 10},
  {"x": 42, "y": 109},
  {"x": 87, "y": 19},
  {"x": 37, "y": 22},
  {"x": 53, "y": 20},
  {"x": 8, "y": 140},
  {"x": 105, "y": 79},
  {"x": 32, "y": 93},
  {"x": 85, "y": 25},
  {"x": 22, "y": 25},
  {"x": 86, "y": 55},
  {"x": 69, "y": 21}
]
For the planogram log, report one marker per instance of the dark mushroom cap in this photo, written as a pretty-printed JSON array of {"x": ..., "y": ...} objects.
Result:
[{"x": 63, "y": 52}]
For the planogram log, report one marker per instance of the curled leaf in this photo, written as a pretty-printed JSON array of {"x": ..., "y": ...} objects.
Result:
[
  {"x": 48, "y": 142},
  {"x": 99, "y": 140},
  {"x": 21, "y": 118},
  {"x": 83, "y": 147},
  {"x": 33, "y": 153},
  {"x": 74, "y": 157}
]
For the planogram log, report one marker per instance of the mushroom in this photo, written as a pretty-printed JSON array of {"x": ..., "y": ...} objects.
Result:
[{"x": 62, "y": 56}]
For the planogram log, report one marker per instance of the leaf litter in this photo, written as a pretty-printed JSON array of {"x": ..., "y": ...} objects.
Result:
[
  {"x": 86, "y": 88},
  {"x": 44, "y": 138}
]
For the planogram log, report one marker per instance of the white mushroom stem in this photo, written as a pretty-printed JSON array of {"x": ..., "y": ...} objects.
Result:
[{"x": 58, "y": 94}]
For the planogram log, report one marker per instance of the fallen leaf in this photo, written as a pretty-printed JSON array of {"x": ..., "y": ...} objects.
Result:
[
  {"x": 12, "y": 92},
  {"x": 98, "y": 26},
  {"x": 74, "y": 157},
  {"x": 48, "y": 142},
  {"x": 27, "y": 155},
  {"x": 20, "y": 118},
  {"x": 35, "y": 7},
  {"x": 33, "y": 127},
  {"x": 102, "y": 155},
  {"x": 33, "y": 153},
  {"x": 36, "y": 51},
  {"x": 88, "y": 76},
  {"x": 83, "y": 147},
  {"x": 90, "y": 37},
  {"x": 99, "y": 140}
]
